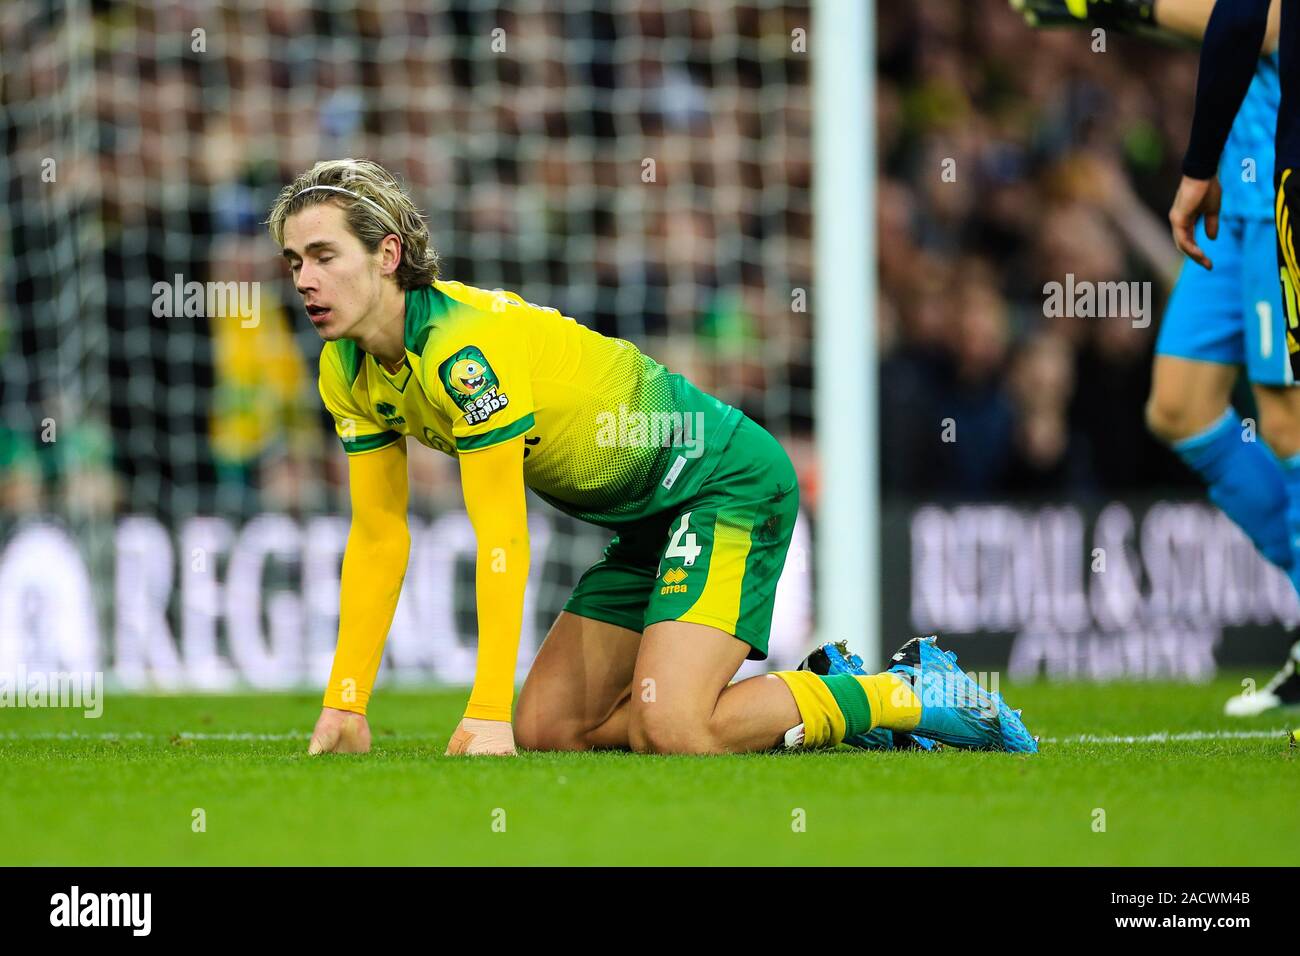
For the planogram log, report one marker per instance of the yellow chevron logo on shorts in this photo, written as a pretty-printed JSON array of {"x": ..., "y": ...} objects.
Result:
[{"x": 673, "y": 579}]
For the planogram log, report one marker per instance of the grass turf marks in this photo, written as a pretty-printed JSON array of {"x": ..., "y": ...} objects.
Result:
[{"x": 1178, "y": 784}]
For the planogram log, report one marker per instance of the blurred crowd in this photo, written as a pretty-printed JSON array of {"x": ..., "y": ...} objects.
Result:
[
  {"x": 1011, "y": 159},
  {"x": 643, "y": 165}
]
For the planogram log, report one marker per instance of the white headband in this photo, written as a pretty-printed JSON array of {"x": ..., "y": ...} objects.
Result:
[{"x": 387, "y": 219}]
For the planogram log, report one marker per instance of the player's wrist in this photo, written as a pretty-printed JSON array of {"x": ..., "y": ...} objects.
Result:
[
  {"x": 1201, "y": 168},
  {"x": 495, "y": 712},
  {"x": 335, "y": 700},
  {"x": 474, "y": 736}
]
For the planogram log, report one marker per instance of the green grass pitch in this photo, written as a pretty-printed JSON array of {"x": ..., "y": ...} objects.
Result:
[{"x": 122, "y": 790}]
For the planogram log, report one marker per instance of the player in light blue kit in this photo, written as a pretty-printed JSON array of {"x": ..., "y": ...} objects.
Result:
[{"x": 1223, "y": 319}]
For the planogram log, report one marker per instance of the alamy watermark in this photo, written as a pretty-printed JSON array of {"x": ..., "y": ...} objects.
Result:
[
  {"x": 79, "y": 690},
  {"x": 179, "y": 298},
  {"x": 628, "y": 429},
  {"x": 130, "y": 910},
  {"x": 1084, "y": 299}
]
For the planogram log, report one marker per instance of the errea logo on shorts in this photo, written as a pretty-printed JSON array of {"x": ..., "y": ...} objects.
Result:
[
  {"x": 673, "y": 579},
  {"x": 75, "y": 908}
]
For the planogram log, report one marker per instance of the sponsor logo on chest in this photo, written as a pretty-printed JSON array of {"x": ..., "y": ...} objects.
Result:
[{"x": 472, "y": 385}]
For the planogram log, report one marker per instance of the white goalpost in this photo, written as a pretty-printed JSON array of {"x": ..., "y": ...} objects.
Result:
[{"x": 842, "y": 46}]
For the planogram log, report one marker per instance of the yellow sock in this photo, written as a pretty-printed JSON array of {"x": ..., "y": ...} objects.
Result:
[
  {"x": 823, "y": 721},
  {"x": 894, "y": 705}
]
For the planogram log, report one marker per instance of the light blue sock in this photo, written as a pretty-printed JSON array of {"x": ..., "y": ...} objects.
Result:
[{"x": 1250, "y": 486}]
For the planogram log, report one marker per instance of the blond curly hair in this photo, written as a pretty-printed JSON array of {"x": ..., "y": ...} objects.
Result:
[{"x": 374, "y": 204}]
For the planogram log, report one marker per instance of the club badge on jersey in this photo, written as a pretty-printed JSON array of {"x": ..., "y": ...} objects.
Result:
[{"x": 472, "y": 385}]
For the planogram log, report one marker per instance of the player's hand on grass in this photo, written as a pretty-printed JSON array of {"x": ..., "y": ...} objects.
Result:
[
  {"x": 340, "y": 732},
  {"x": 1195, "y": 198},
  {"x": 475, "y": 737}
]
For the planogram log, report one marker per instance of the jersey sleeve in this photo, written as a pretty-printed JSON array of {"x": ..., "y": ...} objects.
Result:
[
  {"x": 358, "y": 432},
  {"x": 479, "y": 375},
  {"x": 1229, "y": 55}
]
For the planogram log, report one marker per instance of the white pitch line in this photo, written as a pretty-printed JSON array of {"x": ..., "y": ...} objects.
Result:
[
  {"x": 1168, "y": 738},
  {"x": 1156, "y": 738}
]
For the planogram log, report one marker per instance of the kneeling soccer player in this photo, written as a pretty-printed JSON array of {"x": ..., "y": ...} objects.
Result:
[{"x": 701, "y": 499}]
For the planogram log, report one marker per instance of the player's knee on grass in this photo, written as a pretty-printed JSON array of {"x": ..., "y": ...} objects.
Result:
[
  {"x": 655, "y": 728},
  {"x": 537, "y": 727},
  {"x": 533, "y": 734}
]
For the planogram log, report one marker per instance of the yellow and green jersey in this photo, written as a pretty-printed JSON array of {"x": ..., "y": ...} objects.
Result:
[{"x": 609, "y": 434}]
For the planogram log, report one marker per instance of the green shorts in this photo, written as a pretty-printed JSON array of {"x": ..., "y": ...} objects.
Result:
[{"x": 715, "y": 560}]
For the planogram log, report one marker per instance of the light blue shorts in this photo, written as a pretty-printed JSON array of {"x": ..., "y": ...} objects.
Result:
[{"x": 1233, "y": 314}]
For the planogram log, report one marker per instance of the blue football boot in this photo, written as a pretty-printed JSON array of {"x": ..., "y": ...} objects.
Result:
[
  {"x": 837, "y": 659},
  {"x": 955, "y": 710}
]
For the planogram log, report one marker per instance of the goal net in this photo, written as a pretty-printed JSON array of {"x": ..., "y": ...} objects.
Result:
[{"x": 173, "y": 502}]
